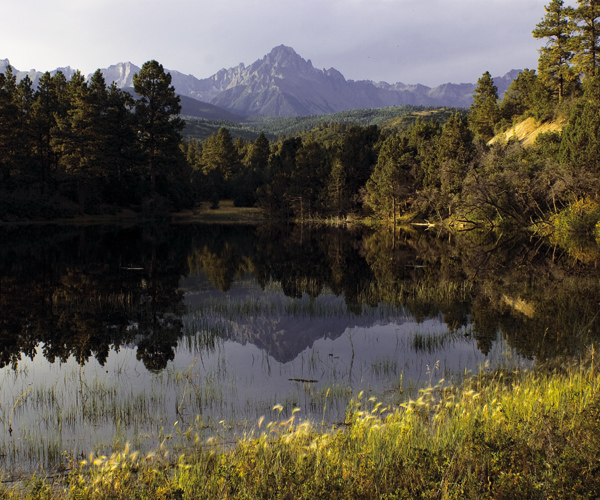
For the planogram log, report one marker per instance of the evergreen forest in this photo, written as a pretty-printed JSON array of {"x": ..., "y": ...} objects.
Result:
[{"x": 85, "y": 147}]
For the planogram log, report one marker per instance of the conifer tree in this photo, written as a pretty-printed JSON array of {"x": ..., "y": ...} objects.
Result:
[
  {"x": 160, "y": 127},
  {"x": 47, "y": 108},
  {"x": 391, "y": 183},
  {"x": 455, "y": 151},
  {"x": 219, "y": 153},
  {"x": 554, "y": 63},
  {"x": 259, "y": 153},
  {"x": 485, "y": 112},
  {"x": 9, "y": 119},
  {"x": 580, "y": 143},
  {"x": 24, "y": 163},
  {"x": 337, "y": 187},
  {"x": 72, "y": 137},
  {"x": 307, "y": 178},
  {"x": 123, "y": 169},
  {"x": 587, "y": 41},
  {"x": 518, "y": 98}
]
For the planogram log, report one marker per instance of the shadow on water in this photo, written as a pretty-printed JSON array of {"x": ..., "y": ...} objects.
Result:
[{"x": 110, "y": 333}]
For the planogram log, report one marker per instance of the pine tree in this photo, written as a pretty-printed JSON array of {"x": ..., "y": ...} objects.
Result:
[
  {"x": 124, "y": 181},
  {"x": 24, "y": 160},
  {"x": 259, "y": 153},
  {"x": 455, "y": 151},
  {"x": 337, "y": 188},
  {"x": 9, "y": 119},
  {"x": 358, "y": 153},
  {"x": 587, "y": 41},
  {"x": 485, "y": 112},
  {"x": 72, "y": 136},
  {"x": 307, "y": 178},
  {"x": 554, "y": 62},
  {"x": 48, "y": 106},
  {"x": 518, "y": 98},
  {"x": 580, "y": 143},
  {"x": 160, "y": 127},
  {"x": 391, "y": 183}
]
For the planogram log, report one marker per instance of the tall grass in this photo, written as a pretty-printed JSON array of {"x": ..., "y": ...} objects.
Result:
[{"x": 529, "y": 434}]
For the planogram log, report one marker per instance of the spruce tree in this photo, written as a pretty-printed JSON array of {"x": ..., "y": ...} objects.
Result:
[{"x": 485, "y": 112}]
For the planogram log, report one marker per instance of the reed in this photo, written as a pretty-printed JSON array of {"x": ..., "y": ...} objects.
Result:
[{"x": 503, "y": 434}]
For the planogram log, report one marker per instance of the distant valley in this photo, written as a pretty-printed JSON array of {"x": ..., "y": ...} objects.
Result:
[{"x": 283, "y": 84}]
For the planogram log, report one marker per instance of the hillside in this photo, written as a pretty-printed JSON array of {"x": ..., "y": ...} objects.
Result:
[{"x": 527, "y": 131}]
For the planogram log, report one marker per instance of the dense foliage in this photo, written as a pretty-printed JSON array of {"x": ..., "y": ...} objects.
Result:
[
  {"x": 89, "y": 143},
  {"x": 81, "y": 141}
]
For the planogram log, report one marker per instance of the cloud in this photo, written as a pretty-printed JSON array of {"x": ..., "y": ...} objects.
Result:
[{"x": 429, "y": 42}]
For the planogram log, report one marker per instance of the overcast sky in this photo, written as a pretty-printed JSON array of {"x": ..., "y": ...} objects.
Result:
[{"x": 410, "y": 41}]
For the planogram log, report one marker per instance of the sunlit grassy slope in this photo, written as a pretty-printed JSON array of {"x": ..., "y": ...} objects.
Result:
[{"x": 527, "y": 131}]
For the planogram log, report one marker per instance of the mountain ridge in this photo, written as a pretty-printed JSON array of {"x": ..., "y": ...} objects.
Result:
[{"x": 283, "y": 84}]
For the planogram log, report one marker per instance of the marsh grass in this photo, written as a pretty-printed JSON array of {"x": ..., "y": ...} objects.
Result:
[
  {"x": 503, "y": 434},
  {"x": 77, "y": 409},
  {"x": 434, "y": 342}
]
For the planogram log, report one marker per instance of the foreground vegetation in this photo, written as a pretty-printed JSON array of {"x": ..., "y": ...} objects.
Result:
[{"x": 500, "y": 435}]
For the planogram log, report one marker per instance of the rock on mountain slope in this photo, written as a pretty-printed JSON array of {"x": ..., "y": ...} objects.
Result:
[
  {"x": 284, "y": 84},
  {"x": 34, "y": 75}
]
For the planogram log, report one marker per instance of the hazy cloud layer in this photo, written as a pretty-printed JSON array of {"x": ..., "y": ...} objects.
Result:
[{"x": 409, "y": 41}]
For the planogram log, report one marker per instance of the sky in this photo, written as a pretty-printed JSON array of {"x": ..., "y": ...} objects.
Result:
[{"x": 410, "y": 41}]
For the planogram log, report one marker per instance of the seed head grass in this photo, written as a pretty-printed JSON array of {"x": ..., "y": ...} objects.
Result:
[{"x": 504, "y": 434}]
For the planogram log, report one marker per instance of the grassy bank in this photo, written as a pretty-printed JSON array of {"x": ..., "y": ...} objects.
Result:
[
  {"x": 226, "y": 213},
  {"x": 501, "y": 435}
]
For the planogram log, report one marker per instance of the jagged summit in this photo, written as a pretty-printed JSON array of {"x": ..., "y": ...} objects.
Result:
[{"x": 284, "y": 84}]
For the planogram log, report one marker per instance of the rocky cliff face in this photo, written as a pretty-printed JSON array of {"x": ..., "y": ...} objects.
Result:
[
  {"x": 284, "y": 84},
  {"x": 34, "y": 75},
  {"x": 121, "y": 74}
]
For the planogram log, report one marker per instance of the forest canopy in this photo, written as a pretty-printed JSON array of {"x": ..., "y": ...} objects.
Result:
[{"x": 100, "y": 149}]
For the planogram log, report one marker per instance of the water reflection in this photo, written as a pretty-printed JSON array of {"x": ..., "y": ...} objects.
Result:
[
  {"x": 130, "y": 329},
  {"x": 81, "y": 291}
]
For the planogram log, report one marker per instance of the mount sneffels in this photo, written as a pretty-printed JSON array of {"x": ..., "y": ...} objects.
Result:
[{"x": 284, "y": 84}]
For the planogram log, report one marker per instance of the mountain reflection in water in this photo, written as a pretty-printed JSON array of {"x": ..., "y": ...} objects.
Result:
[{"x": 226, "y": 321}]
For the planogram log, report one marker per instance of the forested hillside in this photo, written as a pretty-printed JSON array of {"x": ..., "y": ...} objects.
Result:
[{"x": 99, "y": 148}]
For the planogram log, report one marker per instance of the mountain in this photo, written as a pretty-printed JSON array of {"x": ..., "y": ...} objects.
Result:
[
  {"x": 284, "y": 84},
  {"x": 34, "y": 75},
  {"x": 122, "y": 75},
  {"x": 192, "y": 107}
]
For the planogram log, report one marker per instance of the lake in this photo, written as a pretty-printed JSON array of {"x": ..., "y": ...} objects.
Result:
[{"x": 178, "y": 334}]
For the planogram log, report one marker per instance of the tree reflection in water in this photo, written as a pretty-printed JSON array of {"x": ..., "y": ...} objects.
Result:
[{"x": 83, "y": 291}]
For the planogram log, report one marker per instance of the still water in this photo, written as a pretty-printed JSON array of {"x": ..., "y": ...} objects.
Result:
[{"x": 177, "y": 334}]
